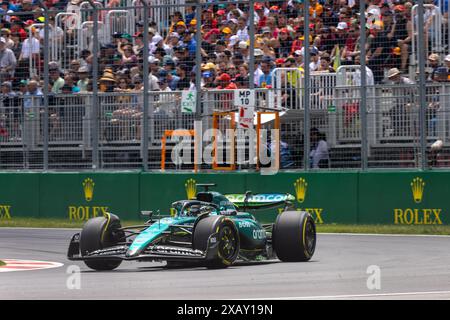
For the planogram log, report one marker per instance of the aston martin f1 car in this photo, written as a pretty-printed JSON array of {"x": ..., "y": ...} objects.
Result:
[{"x": 212, "y": 230}]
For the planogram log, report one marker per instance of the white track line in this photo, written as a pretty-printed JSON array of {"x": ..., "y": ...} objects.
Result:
[
  {"x": 386, "y": 234},
  {"x": 358, "y": 296}
]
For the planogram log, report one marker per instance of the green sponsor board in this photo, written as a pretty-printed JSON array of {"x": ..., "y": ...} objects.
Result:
[
  {"x": 19, "y": 195},
  {"x": 331, "y": 197},
  {"x": 410, "y": 198},
  {"x": 80, "y": 196}
]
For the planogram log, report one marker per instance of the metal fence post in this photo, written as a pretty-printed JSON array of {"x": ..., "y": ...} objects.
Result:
[
  {"x": 145, "y": 78},
  {"x": 251, "y": 31},
  {"x": 198, "y": 59},
  {"x": 94, "y": 113},
  {"x": 422, "y": 89},
  {"x": 46, "y": 84},
  {"x": 363, "y": 101},
  {"x": 306, "y": 53}
]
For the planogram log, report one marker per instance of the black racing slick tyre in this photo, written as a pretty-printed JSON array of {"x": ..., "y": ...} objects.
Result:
[
  {"x": 294, "y": 236},
  {"x": 227, "y": 249},
  {"x": 99, "y": 233}
]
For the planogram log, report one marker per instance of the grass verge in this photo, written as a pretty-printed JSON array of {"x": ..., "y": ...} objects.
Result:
[
  {"x": 385, "y": 229},
  {"x": 51, "y": 223},
  {"x": 324, "y": 228}
]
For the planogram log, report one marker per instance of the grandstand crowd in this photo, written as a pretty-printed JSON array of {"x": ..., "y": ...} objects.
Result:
[{"x": 279, "y": 42}]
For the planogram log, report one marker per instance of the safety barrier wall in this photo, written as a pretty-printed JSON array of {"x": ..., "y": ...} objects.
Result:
[{"x": 341, "y": 197}]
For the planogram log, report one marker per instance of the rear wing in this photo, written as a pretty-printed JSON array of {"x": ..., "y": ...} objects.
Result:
[{"x": 261, "y": 200}]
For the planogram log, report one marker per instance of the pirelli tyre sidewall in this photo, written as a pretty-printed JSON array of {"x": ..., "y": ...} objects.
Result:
[
  {"x": 99, "y": 233},
  {"x": 294, "y": 236},
  {"x": 227, "y": 249}
]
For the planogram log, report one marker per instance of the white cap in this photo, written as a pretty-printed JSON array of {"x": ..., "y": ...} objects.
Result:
[
  {"x": 243, "y": 45},
  {"x": 233, "y": 40},
  {"x": 342, "y": 25},
  {"x": 152, "y": 59},
  {"x": 447, "y": 58},
  {"x": 374, "y": 11},
  {"x": 258, "y": 52}
]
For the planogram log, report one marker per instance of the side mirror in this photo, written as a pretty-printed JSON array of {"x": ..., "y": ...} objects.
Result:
[{"x": 146, "y": 213}]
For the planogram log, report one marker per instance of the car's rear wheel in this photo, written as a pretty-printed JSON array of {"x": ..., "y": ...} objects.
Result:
[
  {"x": 227, "y": 249},
  {"x": 294, "y": 236},
  {"x": 99, "y": 233}
]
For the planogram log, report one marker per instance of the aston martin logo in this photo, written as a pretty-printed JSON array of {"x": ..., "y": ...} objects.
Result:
[
  {"x": 300, "y": 186},
  {"x": 88, "y": 188},
  {"x": 417, "y": 187},
  {"x": 191, "y": 188}
]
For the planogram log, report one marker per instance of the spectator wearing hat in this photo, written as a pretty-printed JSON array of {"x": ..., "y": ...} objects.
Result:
[
  {"x": 6, "y": 34},
  {"x": 83, "y": 76},
  {"x": 208, "y": 80},
  {"x": 107, "y": 81},
  {"x": 434, "y": 63},
  {"x": 402, "y": 33},
  {"x": 7, "y": 61},
  {"x": 176, "y": 17},
  {"x": 30, "y": 48},
  {"x": 284, "y": 43},
  {"x": 224, "y": 82},
  {"x": 404, "y": 99}
]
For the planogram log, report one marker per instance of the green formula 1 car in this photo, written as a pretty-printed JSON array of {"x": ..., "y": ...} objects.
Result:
[{"x": 211, "y": 230}]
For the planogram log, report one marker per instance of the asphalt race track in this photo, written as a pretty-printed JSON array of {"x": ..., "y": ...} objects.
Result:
[{"x": 411, "y": 267}]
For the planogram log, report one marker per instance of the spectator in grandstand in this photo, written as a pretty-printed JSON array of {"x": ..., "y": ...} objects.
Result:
[
  {"x": 319, "y": 155},
  {"x": 33, "y": 95},
  {"x": 184, "y": 81},
  {"x": 325, "y": 64},
  {"x": 224, "y": 82},
  {"x": 7, "y": 61},
  {"x": 433, "y": 63},
  {"x": 6, "y": 34},
  {"x": 56, "y": 81},
  {"x": 447, "y": 63},
  {"x": 378, "y": 52},
  {"x": 208, "y": 80},
  {"x": 107, "y": 81},
  {"x": 265, "y": 79},
  {"x": 83, "y": 75},
  {"x": 401, "y": 32},
  {"x": 69, "y": 82},
  {"x": 404, "y": 102}
]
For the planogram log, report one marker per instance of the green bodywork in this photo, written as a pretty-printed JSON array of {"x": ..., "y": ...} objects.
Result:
[{"x": 253, "y": 236}]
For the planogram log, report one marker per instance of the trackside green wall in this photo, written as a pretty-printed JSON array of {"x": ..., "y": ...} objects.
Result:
[{"x": 331, "y": 197}]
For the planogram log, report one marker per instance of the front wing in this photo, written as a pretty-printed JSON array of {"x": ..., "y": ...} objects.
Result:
[{"x": 151, "y": 253}]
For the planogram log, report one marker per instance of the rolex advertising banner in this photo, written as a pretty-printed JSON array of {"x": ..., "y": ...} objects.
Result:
[
  {"x": 408, "y": 198},
  {"x": 19, "y": 195},
  {"x": 80, "y": 196}
]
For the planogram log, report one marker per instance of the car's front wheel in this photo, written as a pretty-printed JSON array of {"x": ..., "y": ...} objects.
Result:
[
  {"x": 99, "y": 233},
  {"x": 227, "y": 249}
]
